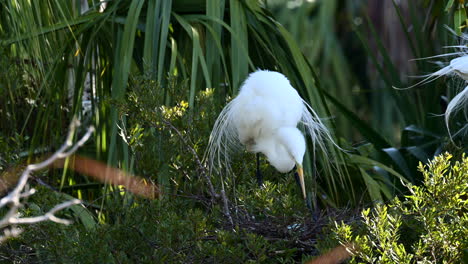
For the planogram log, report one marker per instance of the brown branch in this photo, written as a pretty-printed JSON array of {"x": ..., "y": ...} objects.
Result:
[
  {"x": 104, "y": 173},
  {"x": 334, "y": 256}
]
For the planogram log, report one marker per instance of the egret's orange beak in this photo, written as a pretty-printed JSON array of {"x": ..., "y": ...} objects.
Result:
[{"x": 300, "y": 172}]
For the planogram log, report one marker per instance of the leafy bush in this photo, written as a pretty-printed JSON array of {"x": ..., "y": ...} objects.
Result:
[
  {"x": 271, "y": 223},
  {"x": 428, "y": 226}
]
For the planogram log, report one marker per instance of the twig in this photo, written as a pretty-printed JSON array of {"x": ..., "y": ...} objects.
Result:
[
  {"x": 226, "y": 205},
  {"x": 201, "y": 168},
  {"x": 48, "y": 216}
]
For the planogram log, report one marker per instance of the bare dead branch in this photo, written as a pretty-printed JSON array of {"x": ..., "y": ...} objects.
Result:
[
  {"x": 21, "y": 191},
  {"x": 48, "y": 216}
]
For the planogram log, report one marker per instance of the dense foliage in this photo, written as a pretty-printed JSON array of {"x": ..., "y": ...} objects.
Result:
[{"x": 429, "y": 225}]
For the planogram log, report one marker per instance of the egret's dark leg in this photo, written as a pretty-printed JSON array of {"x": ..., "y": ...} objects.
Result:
[
  {"x": 296, "y": 177},
  {"x": 259, "y": 173},
  {"x": 316, "y": 211}
]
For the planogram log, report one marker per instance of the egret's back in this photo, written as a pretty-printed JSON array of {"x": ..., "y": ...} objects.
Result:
[{"x": 266, "y": 102}]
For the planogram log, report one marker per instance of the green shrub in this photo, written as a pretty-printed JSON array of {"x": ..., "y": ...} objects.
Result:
[
  {"x": 428, "y": 226},
  {"x": 171, "y": 230}
]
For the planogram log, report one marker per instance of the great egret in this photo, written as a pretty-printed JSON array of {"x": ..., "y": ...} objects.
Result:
[{"x": 264, "y": 118}]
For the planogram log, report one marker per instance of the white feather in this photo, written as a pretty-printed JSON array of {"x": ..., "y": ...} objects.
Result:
[{"x": 457, "y": 103}]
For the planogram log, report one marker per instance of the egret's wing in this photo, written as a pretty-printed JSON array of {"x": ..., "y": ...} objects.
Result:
[
  {"x": 223, "y": 141},
  {"x": 250, "y": 114}
]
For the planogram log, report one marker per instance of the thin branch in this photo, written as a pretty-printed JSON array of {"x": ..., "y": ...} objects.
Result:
[
  {"x": 201, "y": 168},
  {"x": 48, "y": 216}
]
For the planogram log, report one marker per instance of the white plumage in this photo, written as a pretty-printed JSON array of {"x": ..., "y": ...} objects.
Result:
[
  {"x": 460, "y": 67},
  {"x": 264, "y": 118}
]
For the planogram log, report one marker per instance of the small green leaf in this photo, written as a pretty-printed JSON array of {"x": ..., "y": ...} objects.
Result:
[
  {"x": 81, "y": 212},
  {"x": 373, "y": 186}
]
